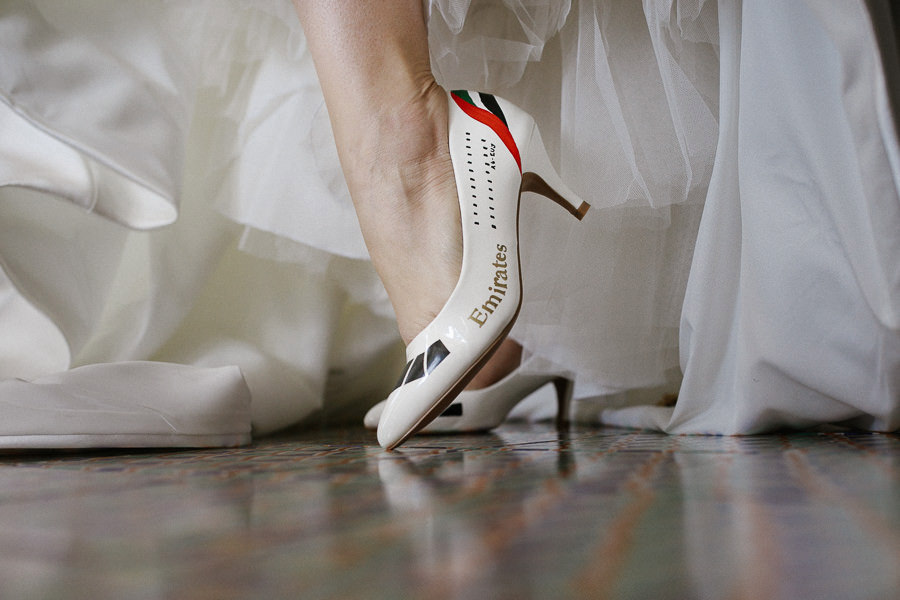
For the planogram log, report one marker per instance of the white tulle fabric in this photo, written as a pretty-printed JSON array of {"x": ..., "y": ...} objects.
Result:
[
  {"x": 172, "y": 193},
  {"x": 626, "y": 98}
]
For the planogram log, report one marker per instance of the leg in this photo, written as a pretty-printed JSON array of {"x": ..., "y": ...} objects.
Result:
[
  {"x": 389, "y": 118},
  {"x": 390, "y": 124}
]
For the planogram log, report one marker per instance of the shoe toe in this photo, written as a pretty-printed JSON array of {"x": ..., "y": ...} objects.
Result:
[
  {"x": 390, "y": 434},
  {"x": 397, "y": 421},
  {"x": 373, "y": 416}
]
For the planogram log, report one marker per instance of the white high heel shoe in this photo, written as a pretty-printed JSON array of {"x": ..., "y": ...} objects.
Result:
[
  {"x": 484, "y": 409},
  {"x": 497, "y": 153}
]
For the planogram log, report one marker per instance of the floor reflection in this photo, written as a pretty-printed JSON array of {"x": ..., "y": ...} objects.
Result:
[{"x": 522, "y": 513}]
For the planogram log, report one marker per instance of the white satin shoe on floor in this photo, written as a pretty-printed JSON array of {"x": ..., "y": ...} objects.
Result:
[
  {"x": 497, "y": 153},
  {"x": 127, "y": 405},
  {"x": 486, "y": 408}
]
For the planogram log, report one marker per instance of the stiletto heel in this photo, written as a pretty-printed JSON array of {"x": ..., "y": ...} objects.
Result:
[
  {"x": 539, "y": 176},
  {"x": 485, "y": 137},
  {"x": 564, "y": 388}
]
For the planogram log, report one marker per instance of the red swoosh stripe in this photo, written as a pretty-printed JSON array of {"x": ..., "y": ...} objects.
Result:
[{"x": 492, "y": 121}]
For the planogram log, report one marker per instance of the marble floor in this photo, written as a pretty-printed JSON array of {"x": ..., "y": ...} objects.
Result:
[{"x": 524, "y": 512}]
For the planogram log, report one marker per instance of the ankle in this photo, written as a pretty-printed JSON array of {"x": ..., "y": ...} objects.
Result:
[
  {"x": 403, "y": 187},
  {"x": 412, "y": 133}
]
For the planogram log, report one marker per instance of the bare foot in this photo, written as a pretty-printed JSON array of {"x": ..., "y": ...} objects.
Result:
[
  {"x": 390, "y": 124},
  {"x": 404, "y": 190},
  {"x": 402, "y": 184},
  {"x": 507, "y": 357}
]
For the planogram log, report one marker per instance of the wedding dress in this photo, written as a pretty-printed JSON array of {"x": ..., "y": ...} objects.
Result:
[{"x": 172, "y": 203}]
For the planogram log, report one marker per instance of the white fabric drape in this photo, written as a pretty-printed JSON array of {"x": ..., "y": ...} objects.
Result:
[{"x": 791, "y": 313}]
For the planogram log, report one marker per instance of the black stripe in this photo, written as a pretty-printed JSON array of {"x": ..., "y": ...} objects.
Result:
[
  {"x": 436, "y": 353},
  {"x": 454, "y": 410},
  {"x": 419, "y": 367},
  {"x": 403, "y": 375},
  {"x": 417, "y": 370},
  {"x": 491, "y": 103}
]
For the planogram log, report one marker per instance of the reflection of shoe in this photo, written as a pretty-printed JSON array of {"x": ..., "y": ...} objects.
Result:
[
  {"x": 497, "y": 153},
  {"x": 484, "y": 409}
]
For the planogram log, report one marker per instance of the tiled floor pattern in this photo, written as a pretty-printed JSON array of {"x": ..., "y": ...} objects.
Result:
[{"x": 521, "y": 513}]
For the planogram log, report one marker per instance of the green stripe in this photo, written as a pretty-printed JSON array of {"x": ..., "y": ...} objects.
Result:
[{"x": 464, "y": 94}]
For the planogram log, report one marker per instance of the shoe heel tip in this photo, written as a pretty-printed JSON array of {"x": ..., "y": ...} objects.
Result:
[{"x": 582, "y": 210}]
